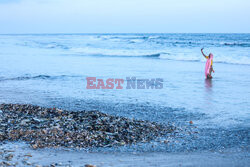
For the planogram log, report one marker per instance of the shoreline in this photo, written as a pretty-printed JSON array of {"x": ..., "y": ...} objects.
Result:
[{"x": 21, "y": 154}]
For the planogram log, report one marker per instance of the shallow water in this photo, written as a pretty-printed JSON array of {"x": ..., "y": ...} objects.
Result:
[
  {"x": 68, "y": 157},
  {"x": 51, "y": 70}
]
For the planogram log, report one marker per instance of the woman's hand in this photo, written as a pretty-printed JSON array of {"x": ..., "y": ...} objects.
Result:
[{"x": 202, "y": 52}]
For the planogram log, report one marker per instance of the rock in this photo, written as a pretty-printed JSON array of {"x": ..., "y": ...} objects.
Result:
[
  {"x": 28, "y": 155},
  {"x": 28, "y": 163},
  {"x": 52, "y": 127},
  {"x": 122, "y": 143},
  {"x": 52, "y": 165},
  {"x": 166, "y": 141},
  {"x": 34, "y": 146},
  {"x": 9, "y": 151},
  {"x": 24, "y": 122},
  {"x": 88, "y": 165},
  {"x": 6, "y": 163},
  {"x": 9, "y": 157}
]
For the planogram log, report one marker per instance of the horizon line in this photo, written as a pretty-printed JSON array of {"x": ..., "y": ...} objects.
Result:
[{"x": 125, "y": 33}]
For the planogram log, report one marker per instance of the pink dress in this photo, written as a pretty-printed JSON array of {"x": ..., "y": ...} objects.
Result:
[{"x": 208, "y": 65}]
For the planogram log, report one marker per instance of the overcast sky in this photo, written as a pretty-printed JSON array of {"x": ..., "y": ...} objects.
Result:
[{"x": 124, "y": 16}]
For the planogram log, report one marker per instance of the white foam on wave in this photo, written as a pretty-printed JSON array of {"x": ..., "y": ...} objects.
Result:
[
  {"x": 244, "y": 60},
  {"x": 162, "y": 54},
  {"x": 180, "y": 57},
  {"x": 136, "y": 40},
  {"x": 240, "y": 44},
  {"x": 114, "y": 52},
  {"x": 154, "y": 37},
  {"x": 233, "y": 59}
]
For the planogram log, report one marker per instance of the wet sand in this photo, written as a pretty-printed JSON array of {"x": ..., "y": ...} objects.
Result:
[{"x": 24, "y": 155}]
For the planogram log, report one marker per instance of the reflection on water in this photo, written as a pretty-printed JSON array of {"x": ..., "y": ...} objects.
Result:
[
  {"x": 208, "y": 92},
  {"x": 208, "y": 85}
]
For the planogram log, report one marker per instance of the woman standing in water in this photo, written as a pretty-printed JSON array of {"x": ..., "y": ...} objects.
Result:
[{"x": 209, "y": 65}]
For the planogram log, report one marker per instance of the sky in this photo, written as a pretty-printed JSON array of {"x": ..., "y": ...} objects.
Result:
[{"x": 124, "y": 16}]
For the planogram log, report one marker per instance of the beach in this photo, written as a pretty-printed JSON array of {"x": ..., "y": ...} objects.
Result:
[
  {"x": 191, "y": 121},
  {"x": 24, "y": 154},
  {"x": 37, "y": 136}
]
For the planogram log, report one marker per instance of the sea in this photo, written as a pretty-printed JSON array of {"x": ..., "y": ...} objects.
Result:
[{"x": 51, "y": 70}]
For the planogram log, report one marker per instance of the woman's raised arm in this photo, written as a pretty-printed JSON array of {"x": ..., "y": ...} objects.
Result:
[{"x": 203, "y": 53}]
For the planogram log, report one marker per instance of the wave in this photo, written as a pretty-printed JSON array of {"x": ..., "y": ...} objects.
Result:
[
  {"x": 156, "y": 55},
  {"x": 169, "y": 41},
  {"x": 162, "y": 54},
  {"x": 131, "y": 41},
  {"x": 233, "y": 60},
  {"x": 38, "y": 77},
  {"x": 45, "y": 45},
  {"x": 51, "y": 45},
  {"x": 56, "y": 45},
  {"x": 179, "y": 57},
  {"x": 115, "y": 52},
  {"x": 243, "y": 60},
  {"x": 236, "y": 44}
]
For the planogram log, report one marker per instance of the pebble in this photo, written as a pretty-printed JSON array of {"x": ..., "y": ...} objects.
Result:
[
  {"x": 28, "y": 155},
  {"x": 5, "y": 163},
  {"x": 9, "y": 157},
  {"x": 88, "y": 165},
  {"x": 52, "y": 165},
  {"x": 51, "y": 127},
  {"x": 166, "y": 141}
]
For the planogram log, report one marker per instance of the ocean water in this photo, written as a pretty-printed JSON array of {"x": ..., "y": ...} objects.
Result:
[{"x": 51, "y": 70}]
